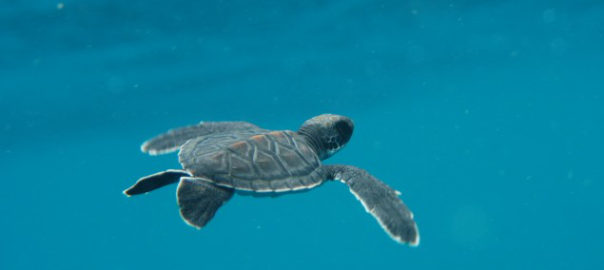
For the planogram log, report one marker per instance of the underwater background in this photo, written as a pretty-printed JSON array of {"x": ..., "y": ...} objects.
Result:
[{"x": 487, "y": 115}]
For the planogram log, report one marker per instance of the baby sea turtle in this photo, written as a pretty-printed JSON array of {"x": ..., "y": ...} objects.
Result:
[{"x": 219, "y": 158}]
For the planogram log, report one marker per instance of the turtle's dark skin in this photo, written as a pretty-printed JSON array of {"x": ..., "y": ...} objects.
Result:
[{"x": 219, "y": 158}]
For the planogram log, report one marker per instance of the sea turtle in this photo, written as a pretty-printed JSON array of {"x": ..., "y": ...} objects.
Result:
[{"x": 219, "y": 158}]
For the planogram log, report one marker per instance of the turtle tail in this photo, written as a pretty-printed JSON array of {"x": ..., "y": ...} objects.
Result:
[
  {"x": 155, "y": 181},
  {"x": 199, "y": 200}
]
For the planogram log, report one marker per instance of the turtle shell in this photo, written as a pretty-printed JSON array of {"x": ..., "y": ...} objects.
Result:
[{"x": 262, "y": 162}]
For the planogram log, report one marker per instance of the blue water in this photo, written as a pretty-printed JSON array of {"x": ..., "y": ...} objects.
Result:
[{"x": 487, "y": 115}]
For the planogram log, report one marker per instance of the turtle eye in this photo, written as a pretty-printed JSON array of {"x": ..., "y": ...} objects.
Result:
[{"x": 344, "y": 130}]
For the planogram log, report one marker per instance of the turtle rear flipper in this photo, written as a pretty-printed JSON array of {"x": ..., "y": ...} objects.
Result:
[
  {"x": 379, "y": 200},
  {"x": 173, "y": 139},
  {"x": 155, "y": 181},
  {"x": 199, "y": 200}
]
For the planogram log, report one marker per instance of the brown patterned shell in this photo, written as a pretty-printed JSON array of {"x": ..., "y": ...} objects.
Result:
[{"x": 262, "y": 162}]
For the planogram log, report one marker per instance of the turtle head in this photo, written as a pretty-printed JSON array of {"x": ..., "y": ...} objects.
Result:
[{"x": 327, "y": 133}]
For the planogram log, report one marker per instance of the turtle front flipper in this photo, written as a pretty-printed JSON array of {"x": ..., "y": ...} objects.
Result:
[
  {"x": 173, "y": 139},
  {"x": 379, "y": 200},
  {"x": 199, "y": 200},
  {"x": 155, "y": 181}
]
